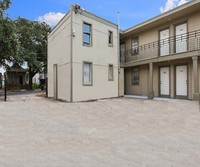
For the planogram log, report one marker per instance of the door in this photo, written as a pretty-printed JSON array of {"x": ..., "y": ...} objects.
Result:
[
  {"x": 164, "y": 42},
  {"x": 181, "y": 80},
  {"x": 122, "y": 53},
  {"x": 55, "y": 81},
  {"x": 21, "y": 80},
  {"x": 181, "y": 38},
  {"x": 164, "y": 81}
]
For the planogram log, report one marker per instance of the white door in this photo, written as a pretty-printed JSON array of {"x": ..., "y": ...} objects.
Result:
[
  {"x": 164, "y": 81},
  {"x": 181, "y": 80},
  {"x": 181, "y": 38},
  {"x": 164, "y": 42}
]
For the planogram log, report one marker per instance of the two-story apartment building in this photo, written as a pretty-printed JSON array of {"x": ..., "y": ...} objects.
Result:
[
  {"x": 161, "y": 56},
  {"x": 83, "y": 57}
]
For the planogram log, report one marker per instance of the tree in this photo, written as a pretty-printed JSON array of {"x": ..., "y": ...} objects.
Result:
[
  {"x": 33, "y": 45},
  {"x": 4, "y": 4},
  {"x": 8, "y": 40}
]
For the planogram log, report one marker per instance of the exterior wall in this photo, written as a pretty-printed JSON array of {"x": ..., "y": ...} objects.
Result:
[
  {"x": 59, "y": 53},
  {"x": 13, "y": 78},
  {"x": 99, "y": 54},
  {"x": 142, "y": 88},
  {"x": 152, "y": 35},
  {"x": 144, "y": 38},
  {"x": 173, "y": 60},
  {"x": 193, "y": 22}
]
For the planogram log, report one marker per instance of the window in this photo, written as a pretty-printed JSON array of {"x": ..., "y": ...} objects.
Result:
[
  {"x": 135, "y": 46},
  {"x": 110, "y": 38},
  {"x": 87, "y": 32},
  {"x": 87, "y": 74},
  {"x": 110, "y": 72},
  {"x": 135, "y": 76}
]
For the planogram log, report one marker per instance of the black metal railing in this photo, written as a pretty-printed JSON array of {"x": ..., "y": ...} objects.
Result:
[{"x": 177, "y": 44}]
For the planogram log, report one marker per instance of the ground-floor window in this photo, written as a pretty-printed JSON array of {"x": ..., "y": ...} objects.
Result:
[
  {"x": 87, "y": 73},
  {"x": 110, "y": 72},
  {"x": 135, "y": 76}
]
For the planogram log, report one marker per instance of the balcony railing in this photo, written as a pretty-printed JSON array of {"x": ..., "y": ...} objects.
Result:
[{"x": 177, "y": 44}]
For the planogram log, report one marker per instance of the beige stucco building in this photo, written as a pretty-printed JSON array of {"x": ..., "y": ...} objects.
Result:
[
  {"x": 83, "y": 58},
  {"x": 157, "y": 58},
  {"x": 161, "y": 56}
]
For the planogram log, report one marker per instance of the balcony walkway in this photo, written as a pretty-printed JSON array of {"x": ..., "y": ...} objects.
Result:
[{"x": 184, "y": 44}]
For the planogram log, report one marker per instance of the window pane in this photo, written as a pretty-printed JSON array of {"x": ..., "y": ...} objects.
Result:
[
  {"x": 87, "y": 73},
  {"x": 135, "y": 45},
  {"x": 86, "y": 34},
  {"x": 86, "y": 28},
  {"x": 86, "y": 39},
  {"x": 135, "y": 76},
  {"x": 110, "y": 72},
  {"x": 110, "y": 37}
]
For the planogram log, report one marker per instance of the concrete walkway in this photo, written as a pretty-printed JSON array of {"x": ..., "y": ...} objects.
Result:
[{"x": 38, "y": 132}]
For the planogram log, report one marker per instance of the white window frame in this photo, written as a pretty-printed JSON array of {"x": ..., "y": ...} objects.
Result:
[
  {"x": 135, "y": 76},
  {"x": 110, "y": 38},
  {"x": 88, "y": 34},
  {"x": 88, "y": 73},
  {"x": 110, "y": 72},
  {"x": 135, "y": 45}
]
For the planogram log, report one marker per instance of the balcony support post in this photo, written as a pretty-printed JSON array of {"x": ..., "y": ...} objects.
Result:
[
  {"x": 150, "y": 92},
  {"x": 195, "y": 78}
]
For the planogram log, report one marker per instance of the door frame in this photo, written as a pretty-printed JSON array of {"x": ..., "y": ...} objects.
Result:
[
  {"x": 178, "y": 24},
  {"x": 55, "y": 81},
  {"x": 159, "y": 79},
  {"x": 178, "y": 96}
]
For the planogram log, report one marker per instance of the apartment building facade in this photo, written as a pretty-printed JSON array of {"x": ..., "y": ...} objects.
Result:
[
  {"x": 83, "y": 58},
  {"x": 160, "y": 57}
]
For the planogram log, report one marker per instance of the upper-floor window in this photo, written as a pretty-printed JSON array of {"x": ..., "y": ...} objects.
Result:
[
  {"x": 135, "y": 46},
  {"x": 87, "y": 34},
  {"x": 110, "y": 38}
]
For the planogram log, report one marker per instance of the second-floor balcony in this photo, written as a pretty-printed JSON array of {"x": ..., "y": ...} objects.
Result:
[{"x": 174, "y": 45}]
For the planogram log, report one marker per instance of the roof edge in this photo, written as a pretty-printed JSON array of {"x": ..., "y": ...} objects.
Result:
[{"x": 162, "y": 15}]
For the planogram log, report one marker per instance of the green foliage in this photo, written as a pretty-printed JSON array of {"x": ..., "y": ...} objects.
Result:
[
  {"x": 35, "y": 86},
  {"x": 8, "y": 41},
  {"x": 32, "y": 36},
  {"x": 9, "y": 45},
  {"x": 23, "y": 41},
  {"x": 4, "y": 4}
]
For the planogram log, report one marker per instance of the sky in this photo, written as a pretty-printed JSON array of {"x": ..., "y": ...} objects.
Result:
[{"x": 131, "y": 12}]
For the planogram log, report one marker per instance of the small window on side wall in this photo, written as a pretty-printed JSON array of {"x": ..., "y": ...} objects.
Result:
[
  {"x": 87, "y": 73},
  {"x": 110, "y": 38},
  {"x": 87, "y": 34},
  {"x": 135, "y": 76},
  {"x": 110, "y": 72}
]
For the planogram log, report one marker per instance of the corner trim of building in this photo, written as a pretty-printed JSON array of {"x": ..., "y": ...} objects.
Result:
[{"x": 71, "y": 56}]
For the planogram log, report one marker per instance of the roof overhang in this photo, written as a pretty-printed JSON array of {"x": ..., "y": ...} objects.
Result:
[{"x": 181, "y": 11}]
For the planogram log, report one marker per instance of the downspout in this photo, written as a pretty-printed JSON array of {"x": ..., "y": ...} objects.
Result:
[
  {"x": 118, "y": 53},
  {"x": 71, "y": 56}
]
